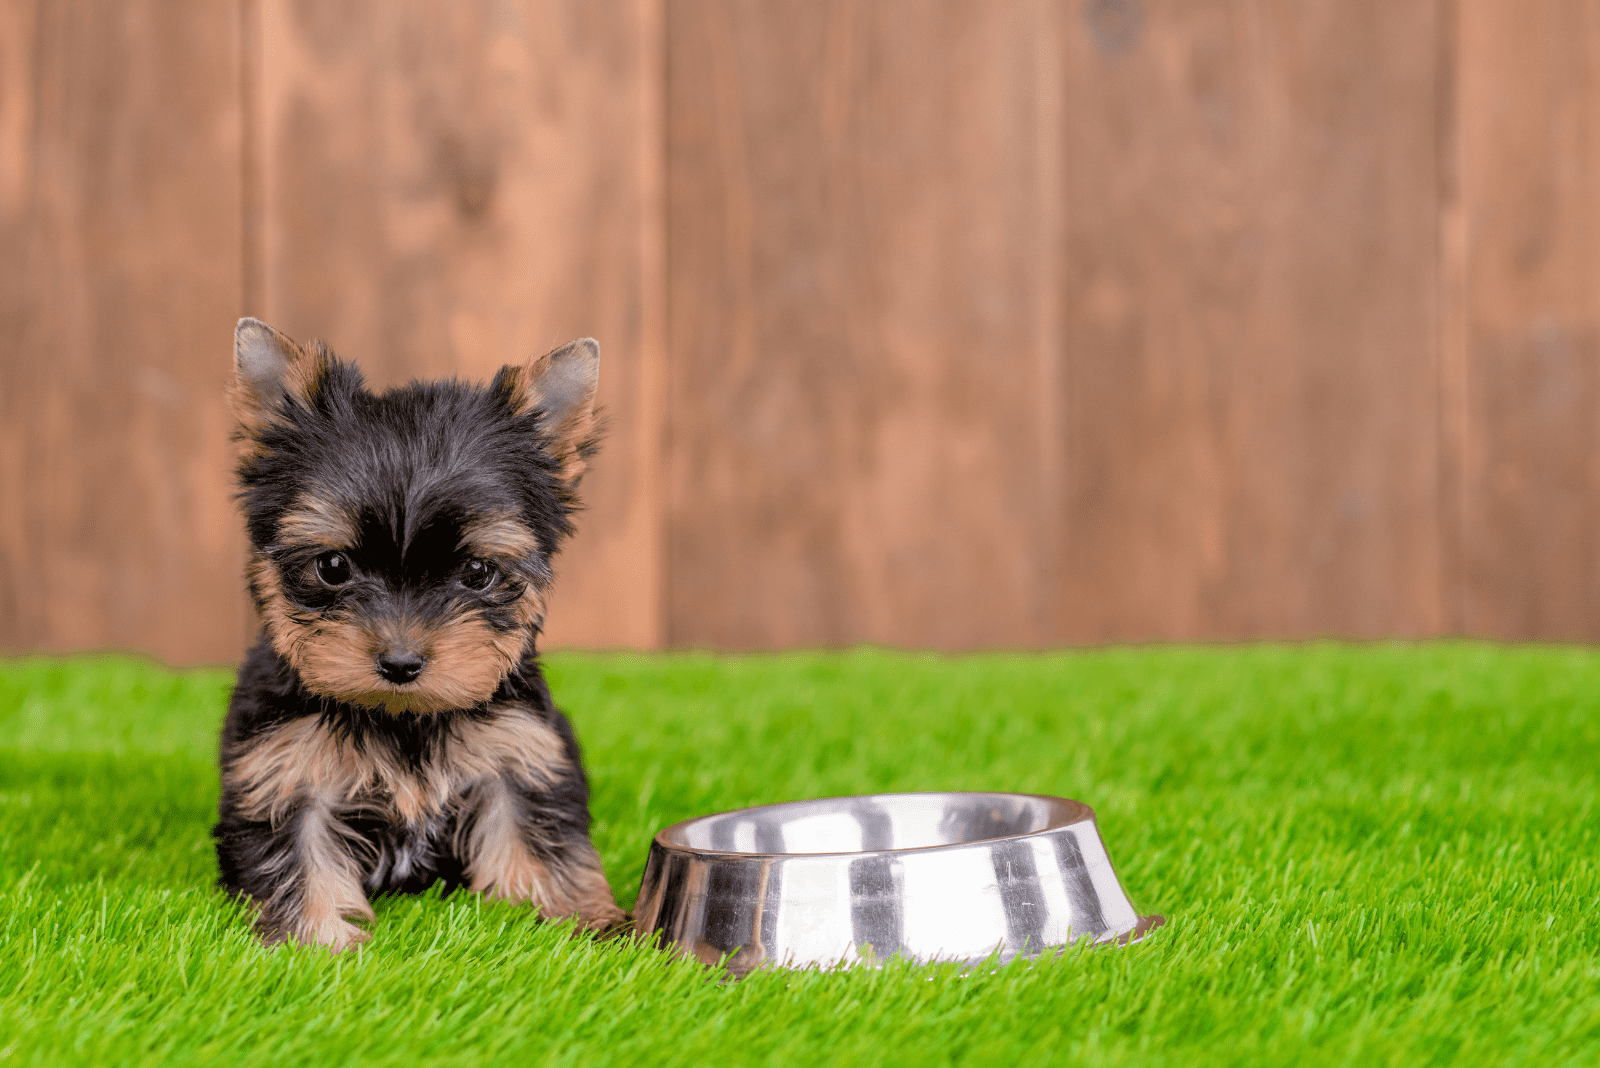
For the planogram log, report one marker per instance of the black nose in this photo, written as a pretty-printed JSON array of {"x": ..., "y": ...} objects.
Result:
[{"x": 400, "y": 667}]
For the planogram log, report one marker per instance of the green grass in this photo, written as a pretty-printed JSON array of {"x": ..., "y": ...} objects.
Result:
[{"x": 1368, "y": 855}]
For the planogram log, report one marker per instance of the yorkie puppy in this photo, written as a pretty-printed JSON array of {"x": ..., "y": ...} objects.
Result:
[{"x": 391, "y": 728}]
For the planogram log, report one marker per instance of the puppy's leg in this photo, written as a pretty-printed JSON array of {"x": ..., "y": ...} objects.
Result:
[
  {"x": 517, "y": 848},
  {"x": 329, "y": 879},
  {"x": 301, "y": 872},
  {"x": 590, "y": 896}
]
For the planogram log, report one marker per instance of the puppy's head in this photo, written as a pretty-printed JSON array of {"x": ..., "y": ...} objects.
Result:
[{"x": 401, "y": 541}]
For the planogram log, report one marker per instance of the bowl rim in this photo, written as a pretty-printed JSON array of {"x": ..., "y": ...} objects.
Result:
[{"x": 1083, "y": 814}]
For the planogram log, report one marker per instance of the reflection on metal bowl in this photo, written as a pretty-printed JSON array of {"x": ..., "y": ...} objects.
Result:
[{"x": 852, "y": 880}]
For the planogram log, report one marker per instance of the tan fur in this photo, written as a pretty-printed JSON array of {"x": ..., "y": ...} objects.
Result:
[
  {"x": 513, "y": 742},
  {"x": 467, "y": 658},
  {"x": 314, "y": 521},
  {"x": 531, "y": 608},
  {"x": 303, "y": 758},
  {"x": 304, "y": 762},
  {"x": 500, "y": 864},
  {"x": 330, "y": 887},
  {"x": 523, "y": 398},
  {"x": 567, "y": 437},
  {"x": 500, "y": 535},
  {"x": 301, "y": 770},
  {"x": 590, "y": 895},
  {"x": 470, "y": 658},
  {"x": 253, "y": 414},
  {"x": 275, "y": 612}
]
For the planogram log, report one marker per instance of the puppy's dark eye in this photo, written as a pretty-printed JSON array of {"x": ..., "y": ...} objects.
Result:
[
  {"x": 478, "y": 575},
  {"x": 333, "y": 569}
]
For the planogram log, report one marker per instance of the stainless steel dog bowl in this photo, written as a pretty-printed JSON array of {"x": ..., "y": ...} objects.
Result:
[{"x": 853, "y": 880}]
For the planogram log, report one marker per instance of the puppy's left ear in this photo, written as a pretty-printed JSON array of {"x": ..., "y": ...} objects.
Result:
[{"x": 560, "y": 386}]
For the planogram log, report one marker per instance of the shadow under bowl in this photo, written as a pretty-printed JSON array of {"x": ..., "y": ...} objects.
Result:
[{"x": 854, "y": 880}]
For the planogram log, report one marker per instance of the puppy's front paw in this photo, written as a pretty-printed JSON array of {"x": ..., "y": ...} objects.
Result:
[
  {"x": 338, "y": 936},
  {"x": 334, "y": 933},
  {"x": 601, "y": 916}
]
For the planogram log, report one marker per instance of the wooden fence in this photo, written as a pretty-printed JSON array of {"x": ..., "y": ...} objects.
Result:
[{"x": 955, "y": 324}]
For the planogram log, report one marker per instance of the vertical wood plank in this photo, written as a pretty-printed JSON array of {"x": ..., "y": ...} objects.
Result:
[
  {"x": 860, "y": 340},
  {"x": 1252, "y": 318},
  {"x": 1453, "y": 355},
  {"x": 991, "y": 323},
  {"x": 1530, "y": 87},
  {"x": 448, "y": 188},
  {"x": 119, "y": 283}
]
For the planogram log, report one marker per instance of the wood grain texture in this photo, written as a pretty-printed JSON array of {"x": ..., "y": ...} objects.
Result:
[
  {"x": 940, "y": 323},
  {"x": 119, "y": 276},
  {"x": 1530, "y": 152},
  {"x": 1251, "y": 382},
  {"x": 860, "y": 294},
  {"x": 448, "y": 188}
]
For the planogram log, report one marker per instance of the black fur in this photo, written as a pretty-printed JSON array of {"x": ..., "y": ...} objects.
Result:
[
  {"x": 269, "y": 694},
  {"x": 416, "y": 465},
  {"x": 420, "y": 460}
]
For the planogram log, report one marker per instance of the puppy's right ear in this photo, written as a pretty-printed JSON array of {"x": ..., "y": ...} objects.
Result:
[{"x": 270, "y": 371}]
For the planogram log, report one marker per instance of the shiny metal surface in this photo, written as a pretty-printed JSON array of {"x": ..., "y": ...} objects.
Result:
[{"x": 850, "y": 880}]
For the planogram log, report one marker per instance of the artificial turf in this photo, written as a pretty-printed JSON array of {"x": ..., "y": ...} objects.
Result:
[{"x": 1368, "y": 855}]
